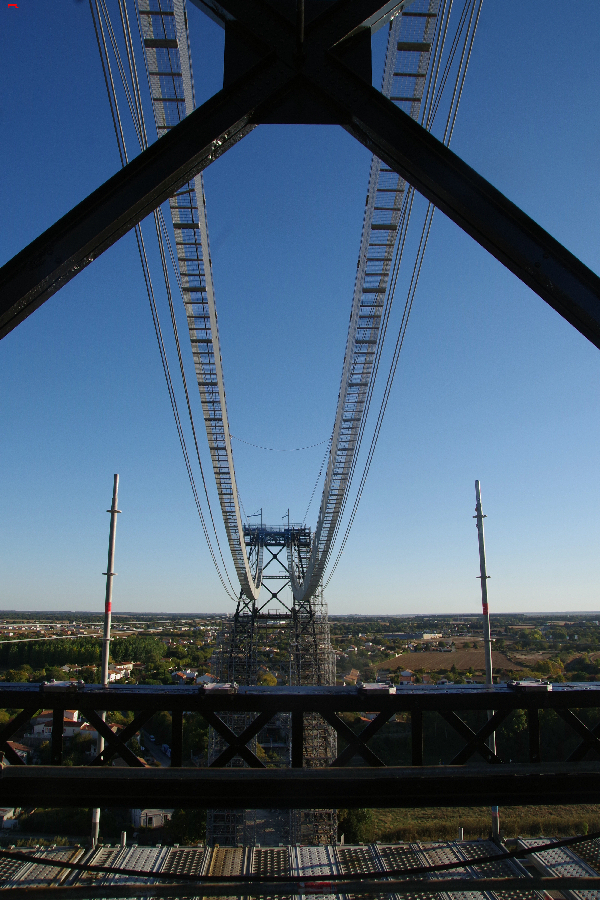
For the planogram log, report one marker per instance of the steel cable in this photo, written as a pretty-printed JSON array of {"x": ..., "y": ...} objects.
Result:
[
  {"x": 117, "y": 124},
  {"x": 318, "y": 479},
  {"x": 162, "y": 233},
  {"x": 438, "y": 43},
  {"x": 234, "y": 545},
  {"x": 278, "y": 449},
  {"x": 448, "y": 131}
]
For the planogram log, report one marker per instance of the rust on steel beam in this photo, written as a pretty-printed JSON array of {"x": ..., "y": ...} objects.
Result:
[{"x": 392, "y": 787}]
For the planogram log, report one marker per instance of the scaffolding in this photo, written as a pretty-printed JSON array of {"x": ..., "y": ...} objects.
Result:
[
  {"x": 302, "y": 627},
  {"x": 313, "y": 662}
]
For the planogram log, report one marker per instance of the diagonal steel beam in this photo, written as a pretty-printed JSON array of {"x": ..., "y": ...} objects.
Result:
[
  {"x": 8, "y": 731},
  {"x": 318, "y": 74},
  {"x": 475, "y": 205},
  {"x": 475, "y": 741},
  {"x": 356, "y": 742},
  {"x": 591, "y": 736},
  {"x": 116, "y": 742},
  {"x": 237, "y": 743},
  {"x": 469, "y": 200},
  {"x": 95, "y": 224}
]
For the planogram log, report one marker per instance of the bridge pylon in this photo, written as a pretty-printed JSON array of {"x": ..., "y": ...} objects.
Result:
[{"x": 276, "y": 636}]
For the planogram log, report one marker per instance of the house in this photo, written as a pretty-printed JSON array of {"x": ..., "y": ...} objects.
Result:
[
  {"x": 207, "y": 678},
  {"x": 42, "y": 724},
  {"x": 117, "y": 672},
  {"x": 406, "y": 677},
  {"x": 22, "y": 751},
  {"x": 183, "y": 675},
  {"x": 72, "y": 726},
  {"x": 352, "y": 677},
  {"x": 150, "y": 818},
  {"x": 8, "y": 817}
]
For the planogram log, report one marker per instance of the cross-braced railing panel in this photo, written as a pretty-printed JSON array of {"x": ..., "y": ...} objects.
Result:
[{"x": 462, "y": 708}]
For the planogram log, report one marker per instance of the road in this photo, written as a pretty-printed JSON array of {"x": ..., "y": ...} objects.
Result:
[{"x": 154, "y": 750}]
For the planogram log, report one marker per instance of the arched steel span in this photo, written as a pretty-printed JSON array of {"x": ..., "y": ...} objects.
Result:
[
  {"x": 169, "y": 67},
  {"x": 411, "y": 50},
  {"x": 408, "y": 58}
]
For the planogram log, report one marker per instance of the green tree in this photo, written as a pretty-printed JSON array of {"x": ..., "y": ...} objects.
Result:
[
  {"x": 187, "y": 826},
  {"x": 160, "y": 726},
  {"x": 357, "y": 825},
  {"x": 21, "y": 674}
]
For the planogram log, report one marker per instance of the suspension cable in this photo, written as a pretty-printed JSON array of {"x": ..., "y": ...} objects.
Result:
[
  {"x": 162, "y": 235},
  {"x": 448, "y": 131},
  {"x": 280, "y": 449},
  {"x": 318, "y": 478},
  {"x": 439, "y": 43},
  {"x": 140, "y": 130}
]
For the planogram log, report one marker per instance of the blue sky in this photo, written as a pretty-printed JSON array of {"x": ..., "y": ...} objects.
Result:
[{"x": 492, "y": 383}]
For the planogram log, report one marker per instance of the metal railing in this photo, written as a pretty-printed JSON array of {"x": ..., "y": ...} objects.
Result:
[{"x": 372, "y": 783}]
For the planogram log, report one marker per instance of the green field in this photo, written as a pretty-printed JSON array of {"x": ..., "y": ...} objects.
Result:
[{"x": 443, "y": 823}]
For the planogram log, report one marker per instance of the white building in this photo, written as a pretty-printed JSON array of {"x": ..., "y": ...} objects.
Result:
[
  {"x": 117, "y": 672},
  {"x": 150, "y": 818},
  {"x": 8, "y": 817},
  {"x": 42, "y": 724}
]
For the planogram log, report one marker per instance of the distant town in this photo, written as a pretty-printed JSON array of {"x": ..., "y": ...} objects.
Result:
[{"x": 159, "y": 649}]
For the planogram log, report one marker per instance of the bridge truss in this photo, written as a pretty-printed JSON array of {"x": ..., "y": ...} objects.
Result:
[
  {"x": 414, "y": 51},
  {"x": 299, "y": 70},
  {"x": 415, "y": 45}
]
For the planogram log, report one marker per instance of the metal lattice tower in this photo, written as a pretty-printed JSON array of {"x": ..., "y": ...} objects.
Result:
[{"x": 303, "y": 627}]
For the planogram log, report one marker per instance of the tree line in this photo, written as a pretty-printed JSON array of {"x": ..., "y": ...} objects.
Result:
[{"x": 82, "y": 651}]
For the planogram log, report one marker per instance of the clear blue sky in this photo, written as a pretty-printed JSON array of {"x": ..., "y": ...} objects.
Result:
[{"x": 492, "y": 383}]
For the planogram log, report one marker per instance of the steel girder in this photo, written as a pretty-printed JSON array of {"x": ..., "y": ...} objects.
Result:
[
  {"x": 393, "y": 787},
  {"x": 305, "y": 68},
  {"x": 573, "y": 780}
]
